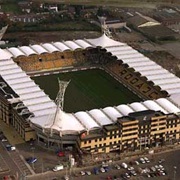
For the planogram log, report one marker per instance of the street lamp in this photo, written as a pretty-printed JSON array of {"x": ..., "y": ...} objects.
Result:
[
  {"x": 33, "y": 148},
  {"x": 175, "y": 170}
]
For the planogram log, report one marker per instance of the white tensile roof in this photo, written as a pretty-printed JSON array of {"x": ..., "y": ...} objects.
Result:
[
  {"x": 43, "y": 107},
  {"x": 104, "y": 41},
  {"x": 64, "y": 122}
]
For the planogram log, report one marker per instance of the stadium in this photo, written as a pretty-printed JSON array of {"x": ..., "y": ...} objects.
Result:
[{"x": 35, "y": 115}]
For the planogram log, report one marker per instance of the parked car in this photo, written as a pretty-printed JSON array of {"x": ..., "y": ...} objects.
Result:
[
  {"x": 88, "y": 173},
  {"x": 102, "y": 170},
  {"x": 9, "y": 147},
  {"x": 106, "y": 168},
  {"x": 82, "y": 173},
  {"x": 127, "y": 175},
  {"x": 4, "y": 140},
  {"x": 142, "y": 160},
  {"x": 146, "y": 159},
  {"x": 60, "y": 153},
  {"x": 136, "y": 162},
  {"x": 96, "y": 171},
  {"x": 130, "y": 168},
  {"x": 161, "y": 161},
  {"x": 133, "y": 173},
  {"x": 31, "y": 160},
  {"x": 58, "y": 167},
  {"x": 124, "y": 165},
  {"x": 117, "y": 166}
]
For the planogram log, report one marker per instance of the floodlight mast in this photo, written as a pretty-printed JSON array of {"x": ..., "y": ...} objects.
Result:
[
  {"x": 60, "y": 96},
  {"x": 59, "y": 101}
]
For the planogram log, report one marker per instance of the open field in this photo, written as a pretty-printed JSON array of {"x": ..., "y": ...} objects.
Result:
[{"x": 87, "y": 90}]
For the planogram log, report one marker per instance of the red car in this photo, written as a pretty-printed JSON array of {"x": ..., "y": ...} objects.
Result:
[{"x": 61, "y": 154}]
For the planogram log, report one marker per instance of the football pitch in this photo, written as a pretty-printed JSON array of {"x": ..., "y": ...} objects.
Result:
[{"x": 87, "y": 90}]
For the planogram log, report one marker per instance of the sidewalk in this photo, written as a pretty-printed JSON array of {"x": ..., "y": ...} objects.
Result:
[{"x": 11, "y": 134}]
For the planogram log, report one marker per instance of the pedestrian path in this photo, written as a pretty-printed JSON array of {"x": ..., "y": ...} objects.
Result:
[
  {"x": 21, "y": 163},
  {"x": 3, "y": 166},
  {"x": 10, "y": 133}
]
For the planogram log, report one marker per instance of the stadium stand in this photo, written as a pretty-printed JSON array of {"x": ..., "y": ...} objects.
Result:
[{"x": 127, "y": 67}]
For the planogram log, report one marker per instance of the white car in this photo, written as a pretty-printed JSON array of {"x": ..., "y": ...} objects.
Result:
[
  {"x": 130, "y": 168},
  {"x": 124, "y": 165},
  {"x": 142, "y": 160},
  {"x": 4, "y": 140},
  {"x": 146, "y": 159},
  {"x": 102, "y": 170},
  {"x": 88, "y": 173},
  {"x": 82, "y": 173},
  {"x": 136, "y": 162},
  {"x": 117, "y": 166}
]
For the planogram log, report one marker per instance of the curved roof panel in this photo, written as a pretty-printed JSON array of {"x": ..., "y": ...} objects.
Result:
[
  {"x": 5, "y": 54},
  {"x": 154, "y": 106},
  {"x": 61, "y": 46},
  {"x": 72, "y": 45},
  {"x": 159, "y": 71},
  {"x": 160, "y": 76},
  {"x": 83, "y": 44},
  {"x": 112, "y": 112},
  {"x": 27, "y": 50},
  {"x": 137, "y": 64},
  {"x": 147, "y": 68},
  {"x": 50, "y": 47},
  {"x": 124, "y": 109},
  {"x": 138, "y": 106},
  {"x": 170, "y": 86},
  {"x": 174, "y": 91},
  {"x": 166, "y": 81},
  {"x": 123, "y": 47},
  {"x": 167, "y": 105},
  {"x": 100, "y": 117},
  {"x": 86, "y": 120},
  {"x": 39, "y": 49},
  {"x": 16, "y": 52}
]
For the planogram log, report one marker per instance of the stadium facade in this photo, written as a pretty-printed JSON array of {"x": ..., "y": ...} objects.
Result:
[{"x": 34, "y": 115}]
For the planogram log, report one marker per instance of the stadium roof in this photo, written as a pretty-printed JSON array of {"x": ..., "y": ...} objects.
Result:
[{"x": 43, "y": 108}]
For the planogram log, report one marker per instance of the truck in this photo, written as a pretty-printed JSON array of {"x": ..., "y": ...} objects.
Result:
[{"x": 58, "y": 167}]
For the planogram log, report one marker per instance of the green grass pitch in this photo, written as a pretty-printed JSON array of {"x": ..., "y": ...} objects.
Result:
[{"x": 87, "y": 90}]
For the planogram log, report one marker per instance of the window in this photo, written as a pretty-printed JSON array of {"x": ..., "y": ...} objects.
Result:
[
  {"x": 62, "y": 57},
  {"x": 89, "y": 141},
  {"x": 95, "y": 140},
  {"x": 85, "y": 142}
]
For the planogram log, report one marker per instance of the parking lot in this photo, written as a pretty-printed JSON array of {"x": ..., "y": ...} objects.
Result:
[{"x": 15, "y": 160}]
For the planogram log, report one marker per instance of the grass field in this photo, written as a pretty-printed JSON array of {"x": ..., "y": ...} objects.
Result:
[{"x": 87, "y": 90}]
